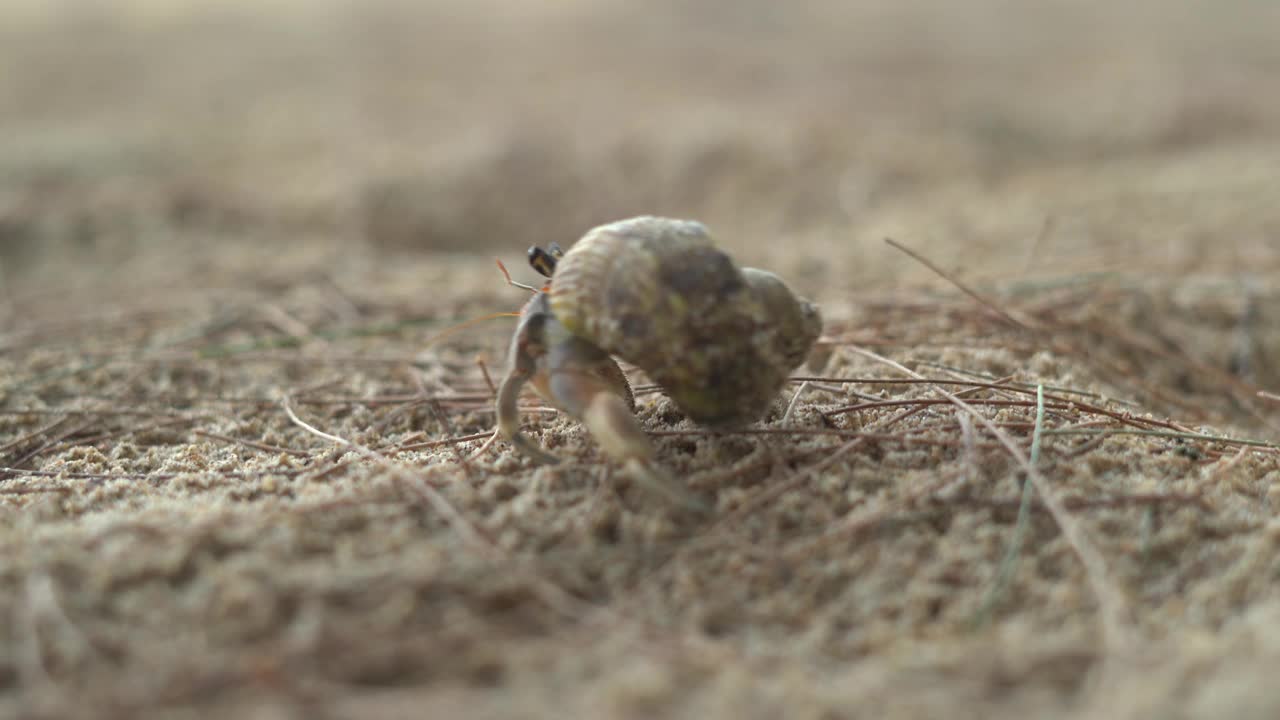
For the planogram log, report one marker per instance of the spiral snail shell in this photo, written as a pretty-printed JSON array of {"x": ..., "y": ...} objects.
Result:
[{"x": 657, "y": 293}]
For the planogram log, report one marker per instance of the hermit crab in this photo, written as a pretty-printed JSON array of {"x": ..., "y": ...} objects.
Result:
[{"x": 656, "y": 293}]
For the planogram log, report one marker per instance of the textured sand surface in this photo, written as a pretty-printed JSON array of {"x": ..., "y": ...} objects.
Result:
[{"x": 207, "y": 209}]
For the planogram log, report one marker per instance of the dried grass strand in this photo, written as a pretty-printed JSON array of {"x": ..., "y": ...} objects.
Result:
[
  {"x": 1005, "y": 574},
  {"x": 1112, "y": 606}
]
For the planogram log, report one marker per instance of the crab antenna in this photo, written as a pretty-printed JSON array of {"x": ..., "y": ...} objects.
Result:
[
  {"x": 466, "y": 324},
  {"x": 511, "y": 282}
]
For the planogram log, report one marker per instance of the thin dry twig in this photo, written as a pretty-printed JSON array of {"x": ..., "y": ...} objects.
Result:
[
  {"x": 162, "y": 423},
  {"x": 762, "y": 498},
  {"x": 50, "y": 444},
  {"x": 795, "y": 399},
  {"x": 35, "y": 490},
  {"x": 446, "y": 441},
  {"x": 552, "y": 594},
  {"x": 1033, "y": 248},
  {"x": 292, "y": 327},
  {"x": 1225, "y": 467},
  {"x": 27, "y": 437},
  {"x": 488, "y": 381},
  {"x": 1075, "y": 502},
  {"x": 992, "y": 382},
  {"x": 912, "y": 402},
  {"x": 1112, "y": 606},
  {"x": 460, "y": 456},
  {"x": 1263, "y": 444},
  {"x": 857, "y": 523},
  {"x": 1060, "y": 403},
  {"x": 963, "y": 288},
  {"x": 381, "y": 426},
  {"x": 341, "y": 303},
  {"x": 969, "y": 442},
  {"x": 465, "y": 529},
  {"x": 484, "y": 447},
  {"x": 906, "y": 437},
  {"x": 251, "y": 444},
  {"x": 101, "y": 477}
]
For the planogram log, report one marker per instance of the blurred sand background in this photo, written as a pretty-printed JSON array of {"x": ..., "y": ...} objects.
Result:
[{"x": 205, "y": 207}]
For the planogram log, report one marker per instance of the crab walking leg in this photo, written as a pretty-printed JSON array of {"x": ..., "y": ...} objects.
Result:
[
  {"x": 509, "y": 411},
  {"x": 527, "y": 352},
  {"x": 587, "y": 396}
]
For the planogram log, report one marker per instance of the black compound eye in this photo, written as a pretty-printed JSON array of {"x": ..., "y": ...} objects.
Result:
[{"x": 543, "y": 261}]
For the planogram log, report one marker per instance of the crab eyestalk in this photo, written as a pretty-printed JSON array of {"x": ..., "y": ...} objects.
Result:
[{"x": 544, "y": 261}]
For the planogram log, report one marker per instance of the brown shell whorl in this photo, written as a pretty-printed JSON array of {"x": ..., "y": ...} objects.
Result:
[
  {"x": 795, "y": 322},
  {"x": 658, "y": 293}
]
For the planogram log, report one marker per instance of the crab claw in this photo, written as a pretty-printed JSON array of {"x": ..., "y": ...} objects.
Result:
[
  {"x": 615, "y": 428},
  {"x": 608, "y": 418}
]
